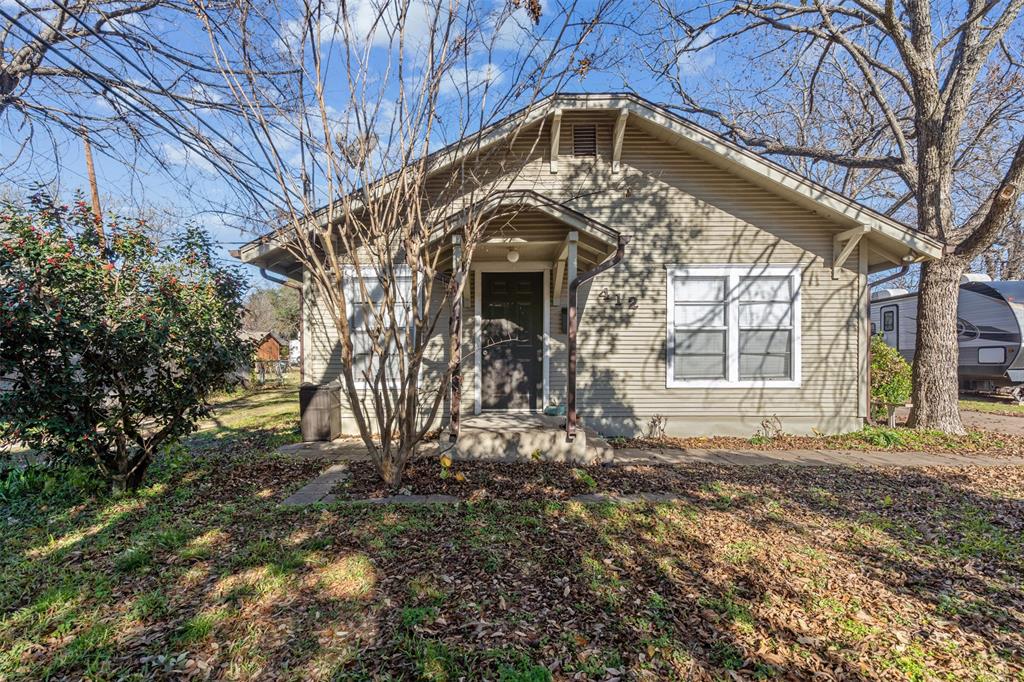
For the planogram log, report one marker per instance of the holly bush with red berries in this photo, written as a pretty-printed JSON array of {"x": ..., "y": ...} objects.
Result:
[{"x": 108, "y": 354}]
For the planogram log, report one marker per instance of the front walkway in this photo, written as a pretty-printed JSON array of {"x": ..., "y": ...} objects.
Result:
[{"x": 341, "y": 453}]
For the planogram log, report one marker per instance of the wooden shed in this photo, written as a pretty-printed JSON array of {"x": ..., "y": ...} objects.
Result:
[{"x": 268, "y": 345}]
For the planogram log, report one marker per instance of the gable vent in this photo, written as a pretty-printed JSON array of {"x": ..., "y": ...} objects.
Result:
[{"x": 584, "y": 140}]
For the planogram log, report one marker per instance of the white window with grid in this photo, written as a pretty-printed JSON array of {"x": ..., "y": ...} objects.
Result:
[
  {"x": 369, "y": 315},
  {"x": 733, "y": 326}
]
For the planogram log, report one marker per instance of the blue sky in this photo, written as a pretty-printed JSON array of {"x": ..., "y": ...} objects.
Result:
[{"x": 186, "y": 186}]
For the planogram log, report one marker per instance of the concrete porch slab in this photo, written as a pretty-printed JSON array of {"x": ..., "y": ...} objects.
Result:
[
  {"x": 509, "y": 436},
  {"x": 328, "y": 451}
]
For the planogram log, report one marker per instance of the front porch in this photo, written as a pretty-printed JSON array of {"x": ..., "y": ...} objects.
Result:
[
  {"x": 510, "y": 436},
  {"x": 518, "y": 347}
]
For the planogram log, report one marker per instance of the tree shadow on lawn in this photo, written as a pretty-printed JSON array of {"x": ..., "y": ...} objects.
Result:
[
  {"x": 803, "y": 571},
  {"x": 762, "y": 572}
]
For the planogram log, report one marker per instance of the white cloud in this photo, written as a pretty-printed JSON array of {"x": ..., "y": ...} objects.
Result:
[
  {"x": 372, "y": 22},
  {"x": 178, "y": 155},
  {"x": 204, "y": 92},
  {"x": 699, "y": 57},
  {"x": 470, "y": 81},
  {"x": 103, "y": 104},
  {"x": 510, "y": 30}
]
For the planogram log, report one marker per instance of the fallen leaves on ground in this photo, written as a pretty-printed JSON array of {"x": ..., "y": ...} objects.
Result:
[
  {"x": 756, "y": 572},
  {"x": 986, "y": 443}
]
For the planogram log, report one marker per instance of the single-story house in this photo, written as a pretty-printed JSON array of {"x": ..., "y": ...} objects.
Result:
[{"x": 731, "y": 290}]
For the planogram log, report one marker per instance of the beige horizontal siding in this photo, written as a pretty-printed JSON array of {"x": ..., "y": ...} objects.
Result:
[{"x": 681, "y": 211}]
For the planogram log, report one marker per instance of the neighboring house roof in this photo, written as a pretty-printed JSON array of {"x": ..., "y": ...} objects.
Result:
[
  {"x": 896, "y": 242},
  {"x": 260, "y": 337}
]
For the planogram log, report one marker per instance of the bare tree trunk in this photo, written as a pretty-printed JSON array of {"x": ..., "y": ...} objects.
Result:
[
  {"x": 934, "y": 119},
  {"x": 936, "y": 389}
]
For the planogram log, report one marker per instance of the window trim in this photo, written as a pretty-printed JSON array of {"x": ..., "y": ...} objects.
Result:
[
  {"x": 733, "y": 274},
  {"x": 351, "y": 272},
  {"x": 1001, "y": 361}
]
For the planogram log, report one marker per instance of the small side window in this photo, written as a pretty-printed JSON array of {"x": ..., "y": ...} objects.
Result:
[
  {"x": 992, "y": 355},
  {"x": 874, "y": 329},
  {"x": 888, "y": 320}
]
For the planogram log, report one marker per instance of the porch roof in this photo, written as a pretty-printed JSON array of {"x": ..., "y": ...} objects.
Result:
[{"x": 536, "y": 226}]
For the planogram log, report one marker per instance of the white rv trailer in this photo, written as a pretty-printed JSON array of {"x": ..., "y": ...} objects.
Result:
[{"x": 990, "y": 320}]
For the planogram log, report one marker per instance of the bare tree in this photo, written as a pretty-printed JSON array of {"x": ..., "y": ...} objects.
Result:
[
  {"x": 914, "y": 106},
  {"x": 385, "y": 187},
  {"x": 137, "y": 75},
  {"x": 1005, "y": 259}
]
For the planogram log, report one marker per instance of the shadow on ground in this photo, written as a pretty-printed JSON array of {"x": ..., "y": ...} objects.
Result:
[{"x": 770, "y": 571}]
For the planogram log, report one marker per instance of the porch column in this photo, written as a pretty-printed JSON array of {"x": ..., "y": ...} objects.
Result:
[{"x": 455, "y": 339}]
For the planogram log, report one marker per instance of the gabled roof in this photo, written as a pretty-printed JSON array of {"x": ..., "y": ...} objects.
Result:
[
  {"x": 260, "y": 337},
  {"x": 892, "y": 241}
]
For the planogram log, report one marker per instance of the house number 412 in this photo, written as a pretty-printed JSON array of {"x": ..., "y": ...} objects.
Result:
[{"x": 617, "y": 300}]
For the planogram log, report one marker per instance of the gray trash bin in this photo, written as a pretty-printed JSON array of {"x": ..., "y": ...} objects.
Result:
[{"x": 319, "y": 412}]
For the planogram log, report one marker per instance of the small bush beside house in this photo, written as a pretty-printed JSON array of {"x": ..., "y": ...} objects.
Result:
[
  {"x": 890, "y": 380},
  {"x": 109, "y": 353}
]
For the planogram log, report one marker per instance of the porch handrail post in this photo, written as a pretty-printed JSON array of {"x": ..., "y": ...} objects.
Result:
[
  {"x": 455, "y": 340},
  {"x": 574, "y": 287}
]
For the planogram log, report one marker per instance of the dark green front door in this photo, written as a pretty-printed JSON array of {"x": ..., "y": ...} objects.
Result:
[{"x": 512, "y": 340}]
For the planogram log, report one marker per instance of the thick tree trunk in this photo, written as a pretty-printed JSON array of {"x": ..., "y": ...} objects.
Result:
[{"x": 936, "y": 389}]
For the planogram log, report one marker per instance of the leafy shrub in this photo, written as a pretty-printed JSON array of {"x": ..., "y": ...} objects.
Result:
[
  {"x": 109, "y": 353},
  {"x": 882, "y": 437},
  {"x": 890, "y": 379},
  {"x": 21, "y": 483}
]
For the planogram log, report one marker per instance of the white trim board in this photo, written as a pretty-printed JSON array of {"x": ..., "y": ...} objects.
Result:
[
  {"x": 733, "y": 273},
  {"x": 522, "y": 266}
]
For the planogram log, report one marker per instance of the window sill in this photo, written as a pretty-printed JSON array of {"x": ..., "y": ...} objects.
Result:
[{"x": 725, "y": 383}]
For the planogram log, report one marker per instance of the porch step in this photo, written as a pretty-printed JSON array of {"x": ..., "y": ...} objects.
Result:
[{"x": 511, "y": 436}]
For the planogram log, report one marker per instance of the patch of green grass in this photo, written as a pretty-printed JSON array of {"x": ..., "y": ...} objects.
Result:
[
  {"x": 729, "y": 606},
  {"x": 528, "y": 672},
  {"x": 976, "y": 536},
  {"x": 993, "y": 407},
  {"x": 150, "y": 606},
  {"x": 741, "y": 551},
  {"x": 89, "y": 651},
  {"x": 725, "y": 496},
  {"x": 856, "y": 630},
  {"x": 417, "y": 615},
  {"x": 272, "y": 554},
  {"x": 173, "y": 538},
  {"x": 884, "y": 438},
  {"x": 200, "y": 626},
  {"x": 134, "y": 560},
  {"x": 435, "y": 662},
  {"x": 912, "y": 663},
  {"x": 727, "y": 656},
  {"x": 604, "y": 582}
]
